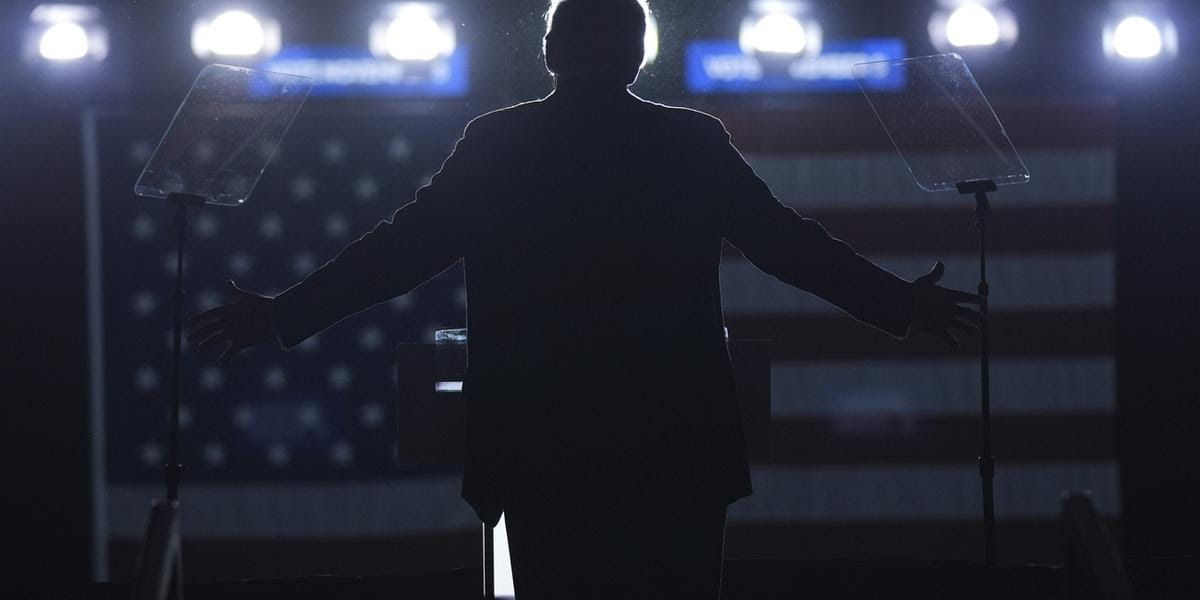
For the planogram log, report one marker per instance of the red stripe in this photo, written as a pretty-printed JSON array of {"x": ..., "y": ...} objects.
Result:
[
  {"x": 1018, "y": 334},
  {"x": 927, "y": 439},
  {"x": 230, "y": 559},
  {"x": 1046, "y": 230},
  {"x": 854, "y": 128},
  {"x": 1023, "y": 541}
]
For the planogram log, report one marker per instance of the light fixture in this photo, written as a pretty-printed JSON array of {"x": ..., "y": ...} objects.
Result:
[
  {"x": 235, "y": 33},
  {"x": 779, "y": 27},
  {"x": 972, "y": 25},
  {"x": 413, "y": 31},
  {"x": 66, "y": 33},
  {"x": 1134, "y": 37},
  {"x": 651, "y": 43},
  {"x": 63, "y": 41},
  {"x": 965, "y": 24},
  {"x": 1140, "y": 37}
]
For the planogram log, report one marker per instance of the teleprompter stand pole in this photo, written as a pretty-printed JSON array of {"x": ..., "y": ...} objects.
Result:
[
  {"x": 160, "y": 567},
  {"x": 174, "y": 470},
  {"x": 987, "y": 462}
]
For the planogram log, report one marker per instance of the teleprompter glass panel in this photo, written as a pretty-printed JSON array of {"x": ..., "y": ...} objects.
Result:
[
  {"x": 941, "y": 123},
  {"x": 224, "y": 134}
]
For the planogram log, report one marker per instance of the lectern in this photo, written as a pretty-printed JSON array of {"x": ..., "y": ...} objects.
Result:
[{"x": 432, "y": 412}]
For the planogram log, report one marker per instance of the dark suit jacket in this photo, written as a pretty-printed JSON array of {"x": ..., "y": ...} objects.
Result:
[{"x": 591, "y": 229}]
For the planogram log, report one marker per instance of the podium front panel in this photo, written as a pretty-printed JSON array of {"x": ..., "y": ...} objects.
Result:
[{"x": 431, "y": 411}]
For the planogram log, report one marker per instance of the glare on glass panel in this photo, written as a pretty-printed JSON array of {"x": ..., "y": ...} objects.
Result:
[
  {"x": 972, "y": 25},
  {"x": 651, "y": 41},
  {"x": 1137, "y": 37},
  {"x": 774, "y": 32},
  {"x": 414, "y": 34},
  {"x": 64, "y": 41}
]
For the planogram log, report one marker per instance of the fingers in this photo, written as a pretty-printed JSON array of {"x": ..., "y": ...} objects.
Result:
[
  {"x": 934, "y": 275},
  {"x": 204, "y": 332},
  {"x": 947, "y": 336},
  {"x": 969, "y": 315},
  {"x": 224, "y": 312},
  {"x": 954, "y": 296},
  {"x": 211, "y": 314},
  {"x": 219, "y": 337},
  {"x": 217, "y": 326},
  {"x": 962, "y": 326},
  {"x": 232, "y": 347},
  {"x": 231, "y": 351}
]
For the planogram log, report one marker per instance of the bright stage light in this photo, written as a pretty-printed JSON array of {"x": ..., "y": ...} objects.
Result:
[
  {"x": 972, "y": 24},
  {"x": 65, "y": 33},
  {"x": 413, "y": 31},
  {"x": 778, "y": 27},
  {"x": 414, "y": 35},
  {"x": 63, "y": 41},
  {"x": 235, "y": 33},
  {"x": 1138, "y": 37},
  {"x": 651, "y": 41},
  {"x": 776, "y": 33}
]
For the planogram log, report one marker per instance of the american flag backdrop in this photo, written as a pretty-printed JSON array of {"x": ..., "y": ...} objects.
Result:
[{"x": 874, "y": 440}]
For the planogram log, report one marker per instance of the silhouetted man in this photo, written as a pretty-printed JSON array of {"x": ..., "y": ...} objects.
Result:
[{"x": 602, "y": 416}]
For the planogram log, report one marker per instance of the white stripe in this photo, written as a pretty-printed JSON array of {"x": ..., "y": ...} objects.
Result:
[
  {"x": 941, "y": 387},
  {"x": 920, "y": 492},
  {"x": 91, "y": 210},
  {"x": 433, "y": 505},
  {"x": 1058, "y": 177},
  {"x": 1029, "y": 282},
  {"x": 412, "y": 506}
]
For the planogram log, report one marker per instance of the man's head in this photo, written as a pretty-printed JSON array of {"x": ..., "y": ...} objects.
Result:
[{"x": 602, "y": 39}]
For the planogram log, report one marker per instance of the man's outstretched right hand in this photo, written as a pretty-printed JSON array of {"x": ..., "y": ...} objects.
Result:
[
  {"x": 244, "y": 322},
  {"x": 936, "y": 309}
]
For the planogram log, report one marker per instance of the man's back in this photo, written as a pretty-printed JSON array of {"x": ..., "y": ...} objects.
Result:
[
  {"x": 596, "y": 336},
  {"x": 595, "y": 223}
]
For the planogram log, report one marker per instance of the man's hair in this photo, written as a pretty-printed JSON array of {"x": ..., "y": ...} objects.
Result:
[{"x": 605, "y": 37}]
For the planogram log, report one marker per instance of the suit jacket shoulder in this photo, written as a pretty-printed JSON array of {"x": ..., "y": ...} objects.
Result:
[
  {"x": 502, "y": 118},
  {"x": 689, "y": 120}
]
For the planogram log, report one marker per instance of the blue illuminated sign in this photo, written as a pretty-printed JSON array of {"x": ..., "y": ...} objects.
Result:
[
  {"x": 353, "y": 72},
  {"x": 720, "y": 67}
]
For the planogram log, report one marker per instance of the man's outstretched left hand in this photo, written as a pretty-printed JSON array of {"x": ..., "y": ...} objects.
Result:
[
  {"x": 937, "y": 310},
  {"x": 243, "y": 323}
]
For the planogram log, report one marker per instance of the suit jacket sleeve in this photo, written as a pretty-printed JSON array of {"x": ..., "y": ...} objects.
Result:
[
  {"x": 422, "y": 239},
  {"x": 799, "y": 252}
]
